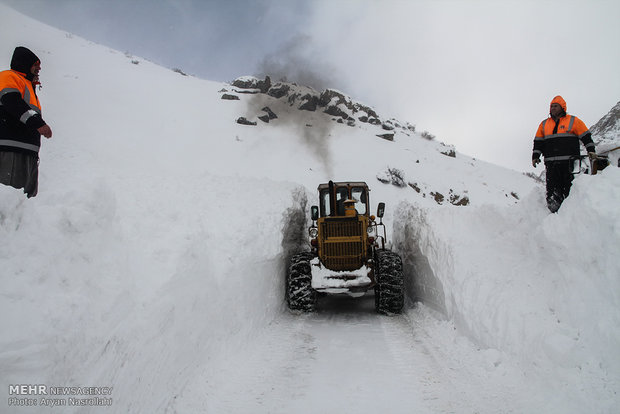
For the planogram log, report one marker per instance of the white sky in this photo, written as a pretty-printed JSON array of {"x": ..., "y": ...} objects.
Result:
[{"x": 477, "y": 74}]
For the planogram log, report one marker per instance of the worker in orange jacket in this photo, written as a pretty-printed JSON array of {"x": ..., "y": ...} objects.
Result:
[
  {"x": 557, "y": 139},
  {"x": 21, "y": 123}
]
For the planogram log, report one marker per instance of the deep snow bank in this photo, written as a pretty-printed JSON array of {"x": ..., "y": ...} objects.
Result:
[
  {"x": 118, "y": 286},
  {"x": 542, "y": 287}
]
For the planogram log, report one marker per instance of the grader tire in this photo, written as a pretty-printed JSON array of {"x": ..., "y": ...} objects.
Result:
[
  {"x": 389, "y": 290},
  {"x": 299, "y": 292}
]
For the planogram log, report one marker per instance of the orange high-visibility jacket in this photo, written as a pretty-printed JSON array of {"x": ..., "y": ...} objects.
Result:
[
  {"x": 12, "y": 79},
  {"x": 560, "y": 141},
  {"x": 20, "y": 113}
]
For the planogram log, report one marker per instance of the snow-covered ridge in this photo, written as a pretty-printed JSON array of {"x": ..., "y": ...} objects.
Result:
[
  {"x": 341, "y": 107},
  {"x": 606, "y": 133},
  {"x": 409, "y": 160},
  {"x": 608, "y": 127}
]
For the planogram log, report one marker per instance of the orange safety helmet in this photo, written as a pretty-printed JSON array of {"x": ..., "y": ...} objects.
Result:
[{"x": 559, "y": 100}]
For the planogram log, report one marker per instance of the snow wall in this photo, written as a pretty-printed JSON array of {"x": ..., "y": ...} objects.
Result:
[
  {"x": 117, "y": 286},
  {"x": 542, "y": 287}
]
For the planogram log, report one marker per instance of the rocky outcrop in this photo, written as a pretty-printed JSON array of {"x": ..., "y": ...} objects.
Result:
[
  {"x": 309, "y": 102},
  {"x": 340, "y": 107},
  {"x": 279, "y": 90},
  {"x": 392, "y": 176},
  {"x": 606, "y": 135},
  {"x": 337, "y": 104},
  {"x": 389, "y": 137},
  {"x": 252, "y": 83},
  {"x": 459, "y": 200},
  {"x": 609, "y": 125},
  {"x": 268, "y": 115},
  {"x": 330, "y": 101},
  {"x": 396, "y": 177},
  {"x": 244, "y": 121},
  {"x": 448, "y": 150}
]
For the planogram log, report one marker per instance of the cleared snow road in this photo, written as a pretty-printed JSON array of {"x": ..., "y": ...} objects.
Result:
[{"x": 345, "y": 358}]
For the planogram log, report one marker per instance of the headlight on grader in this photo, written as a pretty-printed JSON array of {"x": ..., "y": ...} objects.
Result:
[{"x": 313, "y": 232}]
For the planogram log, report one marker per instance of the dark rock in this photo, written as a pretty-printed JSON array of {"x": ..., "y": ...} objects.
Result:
[
  {"x": 270, "y": 113},
  {"x": 292, "y": 98},
  {"x": 458, "y": 200},
  {"x": 438, "y": 197},
  {"x": 248, "y": 91},
  {"x": 462, "y": 202},
  {"x": 335, "y": 111},
  {"x": 264, "y": 118},
  {"x": 253, "y": 83},
  {"x": 279, "y": 90},
  {"x": 389, "y": 137},
  {"x": 392, "y": 176},
  {"x": 415, "y": 187},
  {"x": 310, "y": 102},
  {"x": 328, "y": 95},
  {"x": 398, "y": 177},
  {"x": 427, "y": 135},
  {"x": 363, "y": 108},
  {"x": 229, "y": 97},
  {"x": 266, "y": 85},
  {"x": 243, "y": 121},
  {"x": 245, "y": 83}
]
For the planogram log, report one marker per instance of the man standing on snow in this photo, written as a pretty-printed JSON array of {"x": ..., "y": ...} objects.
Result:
[
  {"x": 21, "y": 124},
  {"x": 557, "y": 139}
]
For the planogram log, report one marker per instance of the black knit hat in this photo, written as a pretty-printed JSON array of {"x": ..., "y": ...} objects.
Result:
[{"x": 22, "y": 61}]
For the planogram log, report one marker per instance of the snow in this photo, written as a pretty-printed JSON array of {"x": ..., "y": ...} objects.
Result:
[
  {"x": 544, "y": 288},
  {"x": 337, "y": 282},
  {"x": 153, "y": 259}
]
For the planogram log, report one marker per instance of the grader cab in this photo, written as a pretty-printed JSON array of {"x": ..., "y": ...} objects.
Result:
[{"x": 347, "y": 254}]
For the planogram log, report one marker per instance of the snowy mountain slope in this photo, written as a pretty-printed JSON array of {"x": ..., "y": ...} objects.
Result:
[
  {"x": 159, "y": 239},
  {"x": 608, "y": 126},
  {"x": 606, "y": 133}
]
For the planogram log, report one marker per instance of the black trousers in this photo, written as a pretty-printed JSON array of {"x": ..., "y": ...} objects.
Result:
[
  {"x": 20, "y": 170},
  {"x": 559, "y": 181}
]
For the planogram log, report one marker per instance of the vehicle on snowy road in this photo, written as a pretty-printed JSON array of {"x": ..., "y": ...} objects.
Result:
[{"x": 348, "y": 253}]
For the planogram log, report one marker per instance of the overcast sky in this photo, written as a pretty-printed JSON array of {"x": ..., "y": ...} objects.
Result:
[{"x": 478, "y": 74}]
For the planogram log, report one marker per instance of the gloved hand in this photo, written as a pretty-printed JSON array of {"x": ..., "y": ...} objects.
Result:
[
  {"x": 592, "y": 156},
  {"x": 46, "y": 131},
  {"x": 535, "y": 161}
]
